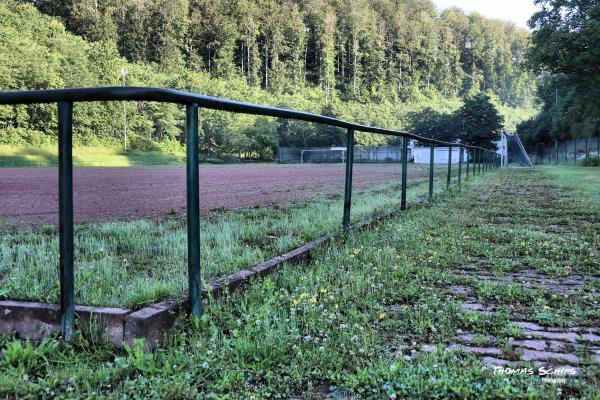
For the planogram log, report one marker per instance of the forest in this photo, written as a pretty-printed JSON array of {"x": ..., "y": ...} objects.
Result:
[
  {"x": 566, "y": 56},
  {"x": 375, "y": 62}
]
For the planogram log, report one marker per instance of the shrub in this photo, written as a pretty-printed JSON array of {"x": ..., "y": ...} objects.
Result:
[{"x": 592, "y": 162}]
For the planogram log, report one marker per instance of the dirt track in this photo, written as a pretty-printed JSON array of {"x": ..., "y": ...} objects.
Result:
[{"x": 30, "y": 195}]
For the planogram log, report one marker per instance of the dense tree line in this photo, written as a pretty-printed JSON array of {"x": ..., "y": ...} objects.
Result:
[
  {"x": 476, "y": 123},
  {"x": 374, "y": 62},
  {"x": 565, "y": 52},
  {"x": 357, "y": 49}
]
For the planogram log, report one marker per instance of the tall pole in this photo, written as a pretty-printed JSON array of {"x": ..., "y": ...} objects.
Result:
[
  {"x": 460, "y": 161},
  {"x": 404, "y": 172},
  {"x": 449, "y": 176},
  {"x": 193, "y": 209},
  {"x": 431, "y": 161},
  {"x": 65, "y": 206},
  {"x": 348, "y": 183}
]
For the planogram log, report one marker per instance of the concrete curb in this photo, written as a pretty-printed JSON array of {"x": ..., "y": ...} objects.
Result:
[{"x": 38, "y": 320}]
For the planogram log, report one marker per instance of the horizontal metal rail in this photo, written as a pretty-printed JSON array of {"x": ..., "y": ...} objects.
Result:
[{"x": 194, "y": 102}]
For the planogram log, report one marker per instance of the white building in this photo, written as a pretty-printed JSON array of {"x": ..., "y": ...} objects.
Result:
[{"x": 440, "y": 155}]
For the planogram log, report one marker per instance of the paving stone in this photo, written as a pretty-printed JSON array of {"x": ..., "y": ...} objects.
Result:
[
  {"x": 556, "y": 345},
  {"x": 529, "y": 325},
  {"x": 467, "y": 337},
  {"x": 530, "y": 344},
  {"x": 493, "y": 361},
  {"x": 590, "y": 337},
  {"x": 476, "y": 307},
  {"x": 533, "y": 355},
  {"x": 568, "y": 336},
  {"x": 459, "y": 289},
  {"x": 484, "y": 351}
]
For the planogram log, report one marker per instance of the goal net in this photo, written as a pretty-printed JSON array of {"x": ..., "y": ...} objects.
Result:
[
  {"x": 323, "y": 155},
  {"x": 515, "y": 151}
]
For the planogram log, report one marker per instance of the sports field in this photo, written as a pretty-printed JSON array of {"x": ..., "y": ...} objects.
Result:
[
  {"x": 30, "y": 195},
  {"x": 130, "y": 236}
]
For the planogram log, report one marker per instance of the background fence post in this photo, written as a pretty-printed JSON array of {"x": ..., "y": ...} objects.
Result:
[
  {"x": 460, "y": 161},
  {"x": 431, "y": 163},
  {"x": 587, "y": 154},
  {"x": 575, "y": 153},
  {"x": 348, "y": 183},
  {"x": 449, "y": 176},
  {"x": 478, "y": 162},
  {"x": 404, "y": 172},
  {"x": 193, "y": 209},
  {"x": 65, "y": 204},
  {"x": 483, "y": 156},
  {"x": 468, "y": 161},
  {"x": 556, "y": 148}
]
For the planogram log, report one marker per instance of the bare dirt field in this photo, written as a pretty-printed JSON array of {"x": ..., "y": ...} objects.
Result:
[{"x": 30, "y": 195}]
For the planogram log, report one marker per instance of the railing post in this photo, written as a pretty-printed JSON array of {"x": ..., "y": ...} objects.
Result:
[
  {"x": 404, "y": 172},
  {"x": 348, "y": 183},
  {"x": 65, "y": 205},
  {"x": 485, "y": 161},
  {"x": 468, "y": 161},
  {"x": 575, "y": 153},
  {"x": 478, "y": 162},
  {"x": 486, "y": 158},
  {"x": 193, "y": 209},
  {"x": 449, "y": 176},
  {"x": 586, "y": 148},
  {"x": 460, "y": 161},
  {"x": 431, "y": 163}
]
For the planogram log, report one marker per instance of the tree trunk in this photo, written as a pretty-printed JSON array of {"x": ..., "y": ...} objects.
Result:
[
  {"x": 266, "y": 68},
  {"x": 354, "y": 50}
]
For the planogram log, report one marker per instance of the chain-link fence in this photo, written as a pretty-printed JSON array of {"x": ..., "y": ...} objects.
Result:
[
  {"x": 301, "y": 155},
  {"x": 568, "y": 151}
]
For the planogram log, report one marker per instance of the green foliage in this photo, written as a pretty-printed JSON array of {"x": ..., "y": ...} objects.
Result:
[
  {"x": 481, "y": 122},
  {"x": 27, "y": 357},
  {"x": 565, "y": 53},
  {"x": 138, "y": 358},
  {"x": 331, "y": 57},
  {"x": 591, "y": 162},
  {"x": 476, "y": 123}
]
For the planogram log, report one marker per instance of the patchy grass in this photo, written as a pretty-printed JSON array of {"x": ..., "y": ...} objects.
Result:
[{"x": 348, "y": 324}]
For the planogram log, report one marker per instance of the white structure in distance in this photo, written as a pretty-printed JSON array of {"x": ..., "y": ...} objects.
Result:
[{"x": 421, "y": 155}]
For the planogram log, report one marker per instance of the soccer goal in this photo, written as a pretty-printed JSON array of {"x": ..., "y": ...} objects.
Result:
[
  {"x": 332, "y": 154},
  {"x": 515, "y": 151}
]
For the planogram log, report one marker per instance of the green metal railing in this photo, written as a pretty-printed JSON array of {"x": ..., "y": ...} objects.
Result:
[{"x": 65, "y": 99}]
